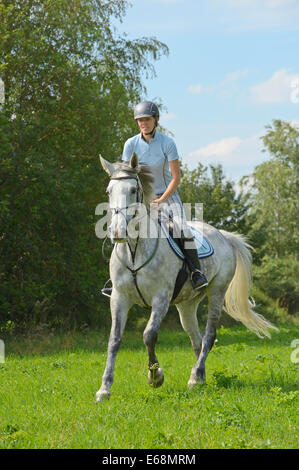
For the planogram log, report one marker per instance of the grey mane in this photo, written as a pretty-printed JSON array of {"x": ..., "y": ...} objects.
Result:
[{"x": 144, "y": 174}]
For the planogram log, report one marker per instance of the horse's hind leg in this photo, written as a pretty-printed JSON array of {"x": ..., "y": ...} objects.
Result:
[
  {"x": 198, "y": 373},
  {"x": 119, "y": 310},
  {"x": 188, "y": 316},
  {"x": 159, "y": 309}
]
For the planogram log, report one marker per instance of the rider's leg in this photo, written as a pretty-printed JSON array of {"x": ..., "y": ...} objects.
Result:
[
  {"x": 175, "y": 213},
  {"x": 187, "y": 245}
]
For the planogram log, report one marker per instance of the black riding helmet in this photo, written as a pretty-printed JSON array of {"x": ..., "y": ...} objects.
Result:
[{"x": 146, "y": 109}]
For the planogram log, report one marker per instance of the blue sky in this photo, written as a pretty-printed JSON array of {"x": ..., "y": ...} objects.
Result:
[{"x": 233, "y": 67}]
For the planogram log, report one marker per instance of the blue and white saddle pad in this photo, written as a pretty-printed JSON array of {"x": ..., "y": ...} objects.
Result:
[{"x": 204, "y": 247}]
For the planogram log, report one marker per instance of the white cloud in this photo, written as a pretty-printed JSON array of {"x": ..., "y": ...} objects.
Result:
[
  {"x": 226, "y": 87},
  {"x": 278, "y": 89},
  {"x": 237, "y": 156},
  {"x": 295, "y": 90},
  {"x": 281, "y": 87},
  {"x": 220, "y": 149},
  {"x": 259, "y": 14},
  {"x": 231, "y": 151}
]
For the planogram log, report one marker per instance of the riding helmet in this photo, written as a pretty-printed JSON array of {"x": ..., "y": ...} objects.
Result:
[{"x": 146, "y": 109}]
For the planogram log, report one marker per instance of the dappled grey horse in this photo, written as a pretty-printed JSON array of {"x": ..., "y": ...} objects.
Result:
[{"x": 143, "y": 271}]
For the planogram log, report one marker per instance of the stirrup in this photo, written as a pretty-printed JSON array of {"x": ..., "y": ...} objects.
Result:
[
  {"x": 202, "y": 281},
  {"x": 107, "y": 290}
]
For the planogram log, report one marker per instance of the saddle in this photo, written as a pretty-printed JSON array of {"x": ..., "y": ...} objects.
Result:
[
  {"x": 204, "y": 250},
  {"x": 204, "y": 247}
]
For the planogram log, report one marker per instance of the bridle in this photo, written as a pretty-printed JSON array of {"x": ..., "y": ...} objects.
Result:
[
  {"x": 118, "y": 210},
  {"x": 139, "y": 196}
]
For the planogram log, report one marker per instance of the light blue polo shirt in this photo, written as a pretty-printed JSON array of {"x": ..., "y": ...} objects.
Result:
[{"x": 160, "y": 150}]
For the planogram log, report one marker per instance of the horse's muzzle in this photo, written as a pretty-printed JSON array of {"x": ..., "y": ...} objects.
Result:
[{"x": 118, "y": 236}]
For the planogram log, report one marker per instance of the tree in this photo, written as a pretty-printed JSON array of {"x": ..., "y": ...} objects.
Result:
[
  {"x": 282, "y": 141},
  {"x": 222, "y": 206},
  {"x": 275, "y": 195},
  {"x": 70, "y": 83},
  {"x": 274, "y": 212}
]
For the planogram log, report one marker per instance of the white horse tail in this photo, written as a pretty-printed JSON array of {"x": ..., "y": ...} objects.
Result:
[{"x": 236, "y": 302}]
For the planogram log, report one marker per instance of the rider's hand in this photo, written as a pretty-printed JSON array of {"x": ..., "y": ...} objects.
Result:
[{"x": 158, "y": 202}]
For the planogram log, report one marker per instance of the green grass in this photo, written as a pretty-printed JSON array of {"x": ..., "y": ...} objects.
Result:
[{"x": 48, "y": 387}]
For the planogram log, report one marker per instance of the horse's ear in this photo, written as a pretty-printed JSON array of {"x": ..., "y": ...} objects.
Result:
[
  {"x": 134, "y": 160},
  {"x": 108, "y": 167}
]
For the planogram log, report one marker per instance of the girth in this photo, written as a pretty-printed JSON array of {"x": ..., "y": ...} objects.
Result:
[{"x": 182, "y": 275}]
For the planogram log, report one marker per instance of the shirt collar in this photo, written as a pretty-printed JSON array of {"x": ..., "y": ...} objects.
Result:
[{"x": 152, "y": 138}]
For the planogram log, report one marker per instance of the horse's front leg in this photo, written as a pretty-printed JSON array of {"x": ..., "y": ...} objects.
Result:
[
  {"x": 119, "y": 311},
  {"x": 159, "y": 309}
]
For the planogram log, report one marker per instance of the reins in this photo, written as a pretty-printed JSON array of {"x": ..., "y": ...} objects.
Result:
[
  {"x": 135, "y": 271},
  {"x": 132, "y": 270}
]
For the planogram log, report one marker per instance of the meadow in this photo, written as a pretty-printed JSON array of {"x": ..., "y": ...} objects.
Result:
[{"x": 48, "y": 386}]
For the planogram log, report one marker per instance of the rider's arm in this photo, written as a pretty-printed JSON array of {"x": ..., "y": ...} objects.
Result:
[{"x": 175, "y": 181}]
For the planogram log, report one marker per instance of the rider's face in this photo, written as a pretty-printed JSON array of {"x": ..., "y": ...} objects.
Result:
[{"x": 146, "y": 124}]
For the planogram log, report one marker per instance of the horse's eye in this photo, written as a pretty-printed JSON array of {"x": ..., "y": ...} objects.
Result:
[{"x": 133, "y": 191}]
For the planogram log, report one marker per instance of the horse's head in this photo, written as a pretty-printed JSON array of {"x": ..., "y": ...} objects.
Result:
[{"x": 130, "y": 185}]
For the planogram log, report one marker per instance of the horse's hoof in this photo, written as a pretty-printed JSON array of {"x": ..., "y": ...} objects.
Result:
[
  {"x": 155, "y": 376},
  {"x": 102, "y": 395},
  {"x": 194, "y": 383}
]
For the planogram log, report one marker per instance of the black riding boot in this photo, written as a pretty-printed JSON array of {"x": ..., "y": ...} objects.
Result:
[{"x": 198, "y": 279}]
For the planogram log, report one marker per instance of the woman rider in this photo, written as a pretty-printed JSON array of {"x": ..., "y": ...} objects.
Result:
[{"x": 160, "y": 153}]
